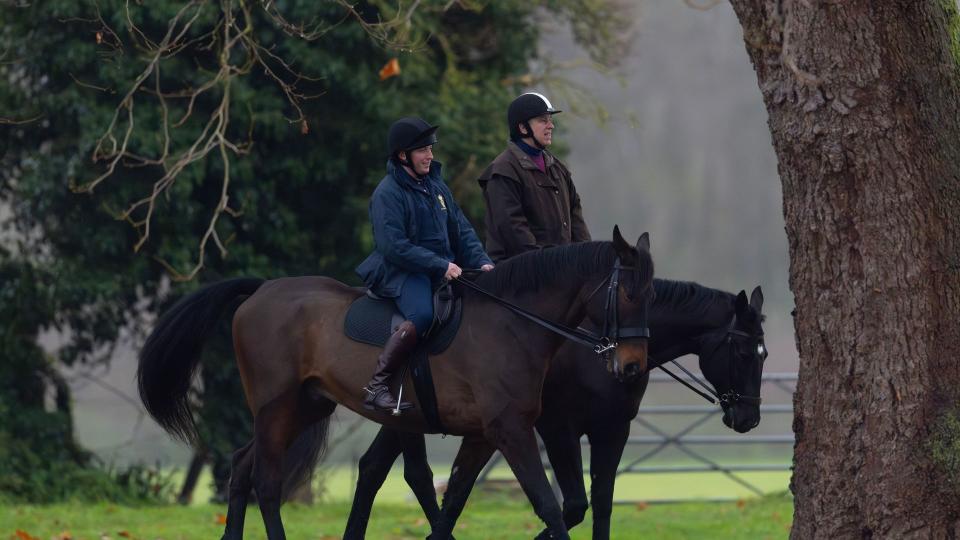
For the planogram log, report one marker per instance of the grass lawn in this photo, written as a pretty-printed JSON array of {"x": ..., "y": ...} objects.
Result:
[
  {"x": 491, "y": 513},
  {"x": 486, "y": 517}
]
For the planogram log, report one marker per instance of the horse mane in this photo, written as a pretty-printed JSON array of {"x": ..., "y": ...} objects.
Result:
[
  {"x": 695, "y": 301},
  {"x": 534, "y": 270}
]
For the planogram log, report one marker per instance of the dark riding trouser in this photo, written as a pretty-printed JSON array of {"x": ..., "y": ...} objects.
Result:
[{"x": 416, "y": 302}]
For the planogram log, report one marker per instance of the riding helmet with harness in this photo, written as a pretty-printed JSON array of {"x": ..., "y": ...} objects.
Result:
[
  {"x": 410, "y": 133},
  {"x": 525, "y": 107}
]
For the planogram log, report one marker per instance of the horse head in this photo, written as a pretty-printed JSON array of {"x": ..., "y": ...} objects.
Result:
[
  {"x": 622, "y": 312},
  {"x": 732, "y": 360}
]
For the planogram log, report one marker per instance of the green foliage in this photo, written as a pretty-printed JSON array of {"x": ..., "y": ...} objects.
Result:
[
  {"x": 944, "y": 445},
  {"x": 40, "y": 461}
]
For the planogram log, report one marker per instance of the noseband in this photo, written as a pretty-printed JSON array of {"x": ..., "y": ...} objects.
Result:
[{"x": 612, "y": 331}]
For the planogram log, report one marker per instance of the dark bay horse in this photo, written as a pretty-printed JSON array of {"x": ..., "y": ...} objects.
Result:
[
  {"x": 580, "y": 398},
  {"x": 296, "y": 366}
]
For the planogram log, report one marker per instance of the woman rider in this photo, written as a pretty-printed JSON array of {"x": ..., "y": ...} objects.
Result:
[{"x": 421, "y": 238}]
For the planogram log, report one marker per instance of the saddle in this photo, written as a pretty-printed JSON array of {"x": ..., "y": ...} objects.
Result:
[{"x": 372, "y": 320}]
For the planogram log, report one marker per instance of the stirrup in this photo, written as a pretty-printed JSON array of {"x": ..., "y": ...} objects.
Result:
[{"x": 395, "y": 409}]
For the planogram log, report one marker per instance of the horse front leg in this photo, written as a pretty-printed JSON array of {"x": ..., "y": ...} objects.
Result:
[
  {"x": 418, "y": 474},
  {"x": 517, "y": 443},
  {"x": 606, "y": 449},
  {"x": 474, "y": 453},
  {"x": 563, "y": 449},
  {"x": 374, "y": 466}
]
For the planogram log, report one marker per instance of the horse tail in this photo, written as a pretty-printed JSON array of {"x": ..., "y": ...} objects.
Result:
[
  {"x": 171, "y": 354},
  {"x": 302, "y": 457}
]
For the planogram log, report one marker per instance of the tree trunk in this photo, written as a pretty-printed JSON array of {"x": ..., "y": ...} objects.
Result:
[
  {"x": 197, "y": 462},
  {"x": 863, "y": 97}
]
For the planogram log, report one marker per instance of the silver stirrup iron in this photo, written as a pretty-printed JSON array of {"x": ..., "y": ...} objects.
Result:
[{"x": 396, "y": 410}]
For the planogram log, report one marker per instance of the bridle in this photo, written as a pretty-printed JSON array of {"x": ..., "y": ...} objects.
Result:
[
  {"x": 611, "y": 328},
  {"x": 603, "y": 343},
  {"x": 729, "y": 398},
  {"x": 732, "y": 397}
]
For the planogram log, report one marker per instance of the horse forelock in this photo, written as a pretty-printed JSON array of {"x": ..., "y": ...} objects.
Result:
[{"x": 534, "y": 270}]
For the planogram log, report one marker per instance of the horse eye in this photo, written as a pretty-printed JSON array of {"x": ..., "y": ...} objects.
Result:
[{"x": 761, "y": 349}]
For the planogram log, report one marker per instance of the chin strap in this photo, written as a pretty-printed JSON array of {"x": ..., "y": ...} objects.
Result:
[{"x": 526, "y": 124}]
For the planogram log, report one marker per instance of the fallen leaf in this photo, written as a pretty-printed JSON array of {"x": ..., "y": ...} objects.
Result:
[
  {"x": 741, "y": 504},
  {"x": 641, "y": 506},
  {"x": 24, "y": 535},
  {"x": 221, "y": 519},
  {"x": 64, "y": 535},
  {"x": 125, "y": 534},
  {"x": 390, "y": 69}
]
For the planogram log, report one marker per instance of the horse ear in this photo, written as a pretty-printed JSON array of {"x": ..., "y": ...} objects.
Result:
[
  {"x": 756, "y": 299},
  {"x": 643, "y": 243},
  {"x": 619, "y": 244},
  {"x": 740, "y": 305}
]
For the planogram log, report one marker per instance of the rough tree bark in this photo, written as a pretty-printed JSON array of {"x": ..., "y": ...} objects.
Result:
[{"x": 863, "y": 98}]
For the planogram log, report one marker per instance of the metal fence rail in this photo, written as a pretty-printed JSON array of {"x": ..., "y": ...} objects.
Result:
[{"x": 679, "y": 437}]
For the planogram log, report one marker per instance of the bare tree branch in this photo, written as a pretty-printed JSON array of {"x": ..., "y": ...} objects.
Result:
[{"x": 238, "y": 53}]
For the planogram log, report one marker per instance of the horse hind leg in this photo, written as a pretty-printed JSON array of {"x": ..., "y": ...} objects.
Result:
[
  {"x": 276, "y": 426},
  {"x": 241, "y": 469}
]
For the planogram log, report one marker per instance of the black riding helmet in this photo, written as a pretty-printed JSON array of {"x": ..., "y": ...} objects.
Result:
[
  {"x": 410, "y": 133},
  {"x": 525, "y": 107}
]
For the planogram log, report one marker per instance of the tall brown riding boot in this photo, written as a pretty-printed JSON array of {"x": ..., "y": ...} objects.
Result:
[{"x": 394, "y": 354}]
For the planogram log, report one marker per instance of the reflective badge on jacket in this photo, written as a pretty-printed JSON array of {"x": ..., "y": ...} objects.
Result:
[{"x": 443, "y": 203}]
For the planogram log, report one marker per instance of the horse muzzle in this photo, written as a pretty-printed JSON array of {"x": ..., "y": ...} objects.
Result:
[
  {"x": 630, "y": 361},
  {"x": 741, "y": 418}
]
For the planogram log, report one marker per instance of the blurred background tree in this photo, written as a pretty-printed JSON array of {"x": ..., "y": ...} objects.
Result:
[{"x": 235, "y": 138}]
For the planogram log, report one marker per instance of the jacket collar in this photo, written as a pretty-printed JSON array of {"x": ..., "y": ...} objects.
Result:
[
  {"x": 525, "y": 161},
  {"x": 403, "y": 178}
]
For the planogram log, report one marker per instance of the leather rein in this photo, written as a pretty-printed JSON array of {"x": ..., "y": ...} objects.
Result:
[{"x": 603, "y": 343}]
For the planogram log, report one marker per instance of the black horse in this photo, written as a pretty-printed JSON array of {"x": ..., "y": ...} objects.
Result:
[{"x": 579, "y": 398}]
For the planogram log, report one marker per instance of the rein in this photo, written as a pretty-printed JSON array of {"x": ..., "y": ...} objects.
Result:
[{"x": 601, "y": 344}]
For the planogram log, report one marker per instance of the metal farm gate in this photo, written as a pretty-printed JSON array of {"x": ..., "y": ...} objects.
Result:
[{"x": 700, "y": 452}]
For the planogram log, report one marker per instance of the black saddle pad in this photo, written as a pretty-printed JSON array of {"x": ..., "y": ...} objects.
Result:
[{"x": 372, "y": 321}]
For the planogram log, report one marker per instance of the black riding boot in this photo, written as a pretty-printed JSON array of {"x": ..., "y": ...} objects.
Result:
[{"x": 394, "y": 354}]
